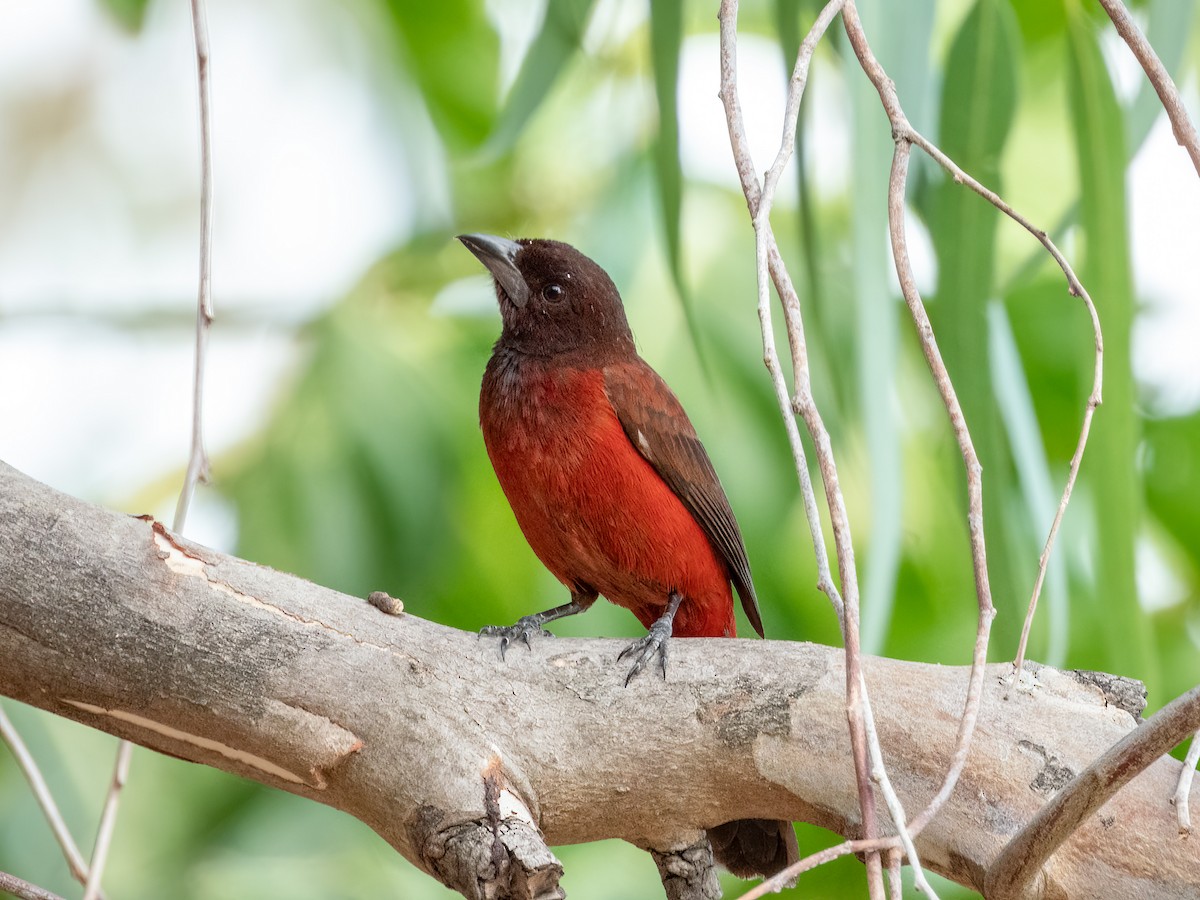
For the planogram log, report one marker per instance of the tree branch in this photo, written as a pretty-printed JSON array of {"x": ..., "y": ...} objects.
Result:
[
  {"x": 41, "y": 792},
  {"x": 1160, "y": 78},
  {"x": 759, "y": 200},
  {"x": 1060, "y": 818},
  {"x": 459, "y": 760},
  {"x": 23, "y": 890}
]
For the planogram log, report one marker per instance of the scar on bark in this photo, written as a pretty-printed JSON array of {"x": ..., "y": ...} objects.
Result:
[{"x": 496, "y": 857}]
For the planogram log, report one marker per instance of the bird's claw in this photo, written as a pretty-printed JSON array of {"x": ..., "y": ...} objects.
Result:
[
  {"x": 643, "y": 650},
  {"x": 521, "y": 631}
]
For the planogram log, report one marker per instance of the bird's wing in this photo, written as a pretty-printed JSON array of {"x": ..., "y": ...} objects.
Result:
[{"x": 655, "y": 423}]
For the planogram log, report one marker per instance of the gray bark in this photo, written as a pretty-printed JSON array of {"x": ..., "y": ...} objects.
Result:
[{"x": 459, "y": 759}]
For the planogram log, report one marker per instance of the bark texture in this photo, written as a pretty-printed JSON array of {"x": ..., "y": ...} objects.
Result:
[{"x": 459, "y": 759}]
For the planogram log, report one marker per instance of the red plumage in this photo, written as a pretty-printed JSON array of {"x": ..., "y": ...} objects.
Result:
[{"x": 594, "y": 510}]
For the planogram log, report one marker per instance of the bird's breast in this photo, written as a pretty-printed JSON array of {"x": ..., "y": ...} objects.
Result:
[
  {"x": 593, "y": 509},
  {"x": 551, "y": 435}
]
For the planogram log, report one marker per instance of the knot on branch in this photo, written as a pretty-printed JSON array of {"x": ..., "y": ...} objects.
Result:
[
  {"x": 1127, "y": 694},
  {"x": 508, "y": 860}
]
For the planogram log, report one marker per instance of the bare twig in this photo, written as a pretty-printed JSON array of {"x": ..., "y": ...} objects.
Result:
[
  {"x": 903, "y": 134},
  {"x": 880, "y": 777},
  {"x": 23, "y": 890},
  {"x": 1025, "y": 854},
  {"x": 198, "y": 469},
  {"x": 1075, "y": 288},
  {"x": 1184, "y": 789},
  {"x": 778, "y": 882},
  {"x": 1186, "y": 137},
  {"x": 198, "y": 465},
  {"x": 759, "y": 202},
  {"x": 1160, "y": 78},
  {"x": 779, "y": 274},
  {"x": 893, "y": 859},
  {"x": 27, "y": 764},
  {"x": 108, "y": 821},
  {"x": 768, "y": 259}
]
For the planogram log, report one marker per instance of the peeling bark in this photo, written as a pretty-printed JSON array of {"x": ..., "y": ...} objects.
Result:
[{"x": 469, "y": 765}]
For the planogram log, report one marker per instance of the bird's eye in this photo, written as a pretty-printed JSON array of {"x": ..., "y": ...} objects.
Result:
[{"x": 552, "y": 292}]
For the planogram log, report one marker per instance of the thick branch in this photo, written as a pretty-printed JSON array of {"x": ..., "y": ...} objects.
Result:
[
  {"x": 1027, "y": 853},
  {"x": 424, "y": 734}
]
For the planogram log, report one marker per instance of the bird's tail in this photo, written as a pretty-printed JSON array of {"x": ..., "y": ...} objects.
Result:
[{"x": 754, "y": 847}]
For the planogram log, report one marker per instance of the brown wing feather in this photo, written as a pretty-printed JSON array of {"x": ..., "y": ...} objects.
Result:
[{"x": 655, "y": 423}]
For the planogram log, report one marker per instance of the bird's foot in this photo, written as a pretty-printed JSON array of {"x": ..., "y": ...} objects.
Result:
[
  {"x": 525, "y": 627},
  {"x": 643, "y": 650}
]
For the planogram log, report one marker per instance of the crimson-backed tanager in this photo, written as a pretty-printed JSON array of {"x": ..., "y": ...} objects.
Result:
[{"x": 608, "y": 480}]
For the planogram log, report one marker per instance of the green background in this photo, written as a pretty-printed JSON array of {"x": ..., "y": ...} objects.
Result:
[{"x": 370, "y": 472}]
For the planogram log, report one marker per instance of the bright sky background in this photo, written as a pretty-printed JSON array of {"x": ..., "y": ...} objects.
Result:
[{"x": 99, "y": 212}]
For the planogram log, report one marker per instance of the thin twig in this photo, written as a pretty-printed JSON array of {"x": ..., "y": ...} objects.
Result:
[
  {"x": 893, "y": 859},
  {"x": 108, "y": 821},
  {"x": 198, "y": 468},
  {"x": 1023, "y": 857},
  {"x": 28, "y": 766},
  {"x": 1160, "y": 78},
  {"x": 899, "y": 819},
  {"x": 779, "y": 274},
  {"x": 896, "y": 227},
  {"x": 1076, "y": 289},
  {"x": 1184, "y": 789},
  {"x": 23, "y": 890},
  {"x": 198, "y": 465},
  {"x": 906, "y": 136},
  {"x": 759, "y": 202},
  {"x": 779, "y": 881},
  {"x": 1186, "y": 136}
]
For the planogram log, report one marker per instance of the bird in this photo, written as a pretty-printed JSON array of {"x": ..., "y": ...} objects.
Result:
[{"x": 608, "y": 481}]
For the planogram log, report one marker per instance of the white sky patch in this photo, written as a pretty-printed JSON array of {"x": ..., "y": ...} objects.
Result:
[
  {"x": 100, "y": 412},
  {"x": 762, "y": 89},
  {"x": 310, "y": 187},
  {"x": 1164, "y": 225}
]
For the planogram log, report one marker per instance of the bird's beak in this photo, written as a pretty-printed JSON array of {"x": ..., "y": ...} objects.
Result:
[{"x": 500, "y": 256}]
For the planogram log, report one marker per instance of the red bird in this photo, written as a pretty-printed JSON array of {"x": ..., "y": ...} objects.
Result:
[{"x": 608, "y": 480}]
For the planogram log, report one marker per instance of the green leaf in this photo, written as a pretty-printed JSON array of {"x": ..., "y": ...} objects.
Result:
[
  {"x": 666, "y": 39},
  {"x": 555, "y": 45},
  {"x": 901, "y": 34},
  {"x": 130, "y": 14},
  {"x": 979, "y": 97},
  {"x": 1173, "y": 479},
  {"x": 453, "y": 54},
  {"x": 1040, "y": 20},
  {"x": 1041, "y": 493},
  {"x": 1169, "y": 24},
  {"x": 1110, "y": 470}
]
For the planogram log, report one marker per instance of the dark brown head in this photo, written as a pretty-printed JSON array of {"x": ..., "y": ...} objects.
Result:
[{"x": 553, "y": 299}]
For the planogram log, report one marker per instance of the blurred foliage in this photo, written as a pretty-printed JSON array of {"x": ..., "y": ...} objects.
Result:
[
  {"x": 371, "y": 474},
  {"x": 129, "y": 13}
]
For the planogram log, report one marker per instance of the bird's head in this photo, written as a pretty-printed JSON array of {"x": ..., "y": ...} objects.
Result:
[{"x": 553, "y": 299}]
